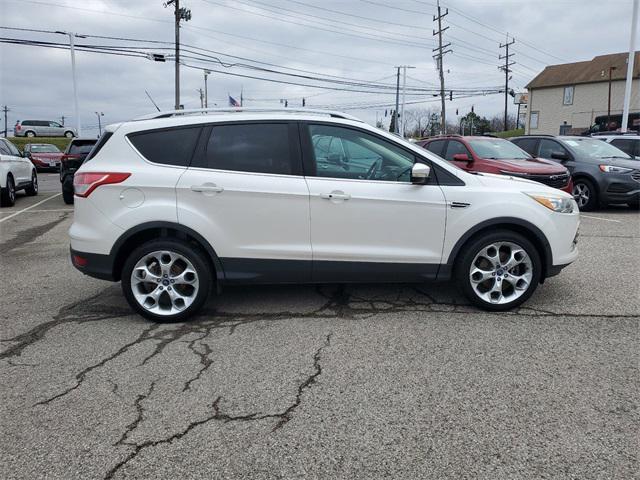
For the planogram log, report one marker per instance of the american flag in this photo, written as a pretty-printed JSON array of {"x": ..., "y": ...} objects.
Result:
[{"x": 233, "y": 102}]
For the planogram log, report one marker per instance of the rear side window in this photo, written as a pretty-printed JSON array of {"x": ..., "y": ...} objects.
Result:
[
  {"x": 436, "y": 147},
  {"x": 169, "y": 146},
  {"x": 527, "y": 144},
  {"x": 98, "y": 146},
  {"x": 258, "y": 148},
  {"x": 624, "y": 144}
]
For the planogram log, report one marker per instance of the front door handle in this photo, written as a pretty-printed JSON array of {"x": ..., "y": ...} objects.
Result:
[
  {"x": 206, "y": 188},
  {"x": 335, "y": 195}
]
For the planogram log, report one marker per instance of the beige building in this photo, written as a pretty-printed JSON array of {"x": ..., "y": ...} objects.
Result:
[{"x": 569, "y": 97}]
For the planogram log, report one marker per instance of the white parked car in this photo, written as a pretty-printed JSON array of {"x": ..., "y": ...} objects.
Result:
[
  {"x": 176, "y": 204},
  {"x": 16, "y": 173},
  {"x": 627, "y": 142}
]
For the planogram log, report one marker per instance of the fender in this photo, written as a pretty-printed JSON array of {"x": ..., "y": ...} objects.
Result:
[
  {"x": 540, "y": 239},
  {"x": 115, "y": 250}
]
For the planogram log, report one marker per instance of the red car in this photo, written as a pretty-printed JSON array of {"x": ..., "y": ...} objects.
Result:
[
  {"x": 496, "y": 155},
  {"x": 44, "y": 156}
]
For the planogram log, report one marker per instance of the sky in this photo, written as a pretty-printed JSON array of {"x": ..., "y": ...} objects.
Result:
[{"x": 355, "y": 40}]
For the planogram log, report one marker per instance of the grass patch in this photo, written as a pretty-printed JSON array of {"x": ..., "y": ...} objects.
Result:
[
  {"x": 509, "y": 133},
  {"x": 60, "y": 142}
]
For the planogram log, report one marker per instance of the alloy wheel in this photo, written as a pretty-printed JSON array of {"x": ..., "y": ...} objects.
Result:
[
  {"x": 581, "y": 194},
  {"x": 164, "y": 282},
  {"x": 34, "y": 182},
  {"x": 12, "y": 190},
  {"x": 501, "y": 272}
]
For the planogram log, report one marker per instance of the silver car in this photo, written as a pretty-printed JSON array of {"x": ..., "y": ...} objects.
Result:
[{"x": 42, "y": 128}]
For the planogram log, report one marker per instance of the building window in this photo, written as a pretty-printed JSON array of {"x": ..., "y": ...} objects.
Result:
[
  {"x": 533, "y": 121},
  {"x": 567, "y": 99}
]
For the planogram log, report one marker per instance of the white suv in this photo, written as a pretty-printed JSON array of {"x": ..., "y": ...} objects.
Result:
[{"x": 178, "y": 203}]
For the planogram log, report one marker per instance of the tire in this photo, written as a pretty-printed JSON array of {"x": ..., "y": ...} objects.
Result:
[
  {"x": 30, "y": 133},
  {"x": 585, "y": 194},
  {"x": 32, "y": 189},
  {"x": 68, "y": 134},
  {"x": 67, "y": 190},
  {"x": 158, "y": 298},
  {"x": 8, "y": 194},
  {"x": 499, "y": 290}
]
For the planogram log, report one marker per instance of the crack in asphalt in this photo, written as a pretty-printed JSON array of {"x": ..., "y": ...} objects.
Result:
[
  {"x": 28, "y": 235},
  {"x": 216, "y": 415},
  {"x": 205, "y": 361}
]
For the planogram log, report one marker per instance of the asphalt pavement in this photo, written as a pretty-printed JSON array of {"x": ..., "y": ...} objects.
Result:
[{"x": 355, "y": 382}]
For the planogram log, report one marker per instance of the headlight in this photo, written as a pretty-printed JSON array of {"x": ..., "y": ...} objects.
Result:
[
  {"x": 615, "y": 169},
  {"x": 556, "y": 204}
]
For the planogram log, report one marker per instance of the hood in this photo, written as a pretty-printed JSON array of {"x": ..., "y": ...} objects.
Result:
[
  {"x": 517, "y": 183},
  {"x": 535, "y": 166},
  {"x": 48, "y": 156}
]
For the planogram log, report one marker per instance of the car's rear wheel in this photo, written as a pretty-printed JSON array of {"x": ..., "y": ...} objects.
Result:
[
  {"x": 30, "y": 133},
  {"x": 32, "y": 189},
  {"x": 67, "y": 190},
  {"x": 8, "y": 193},
  {"x": 585, "y": 194},
  {"x": 68, "y": 134},
  {"x": 499, "y": 271},
  {"x": 166, "y": 280}
]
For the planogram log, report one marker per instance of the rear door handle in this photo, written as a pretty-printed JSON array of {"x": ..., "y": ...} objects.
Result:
[
  {"x": 206, "y": 188},
  {"x": 335, "y": 196}
]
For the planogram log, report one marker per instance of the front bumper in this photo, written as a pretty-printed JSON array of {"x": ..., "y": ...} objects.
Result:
[{"x": 620, "y": 188}]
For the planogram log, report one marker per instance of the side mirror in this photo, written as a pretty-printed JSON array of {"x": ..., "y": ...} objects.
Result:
[
  {"x": 420, "y": 173},
  {"x": 26, "y": 154},
  {"x": 335, "y": 158},
  {"x": 559, "y": 156},
  {"x": 461, "y": 157}
]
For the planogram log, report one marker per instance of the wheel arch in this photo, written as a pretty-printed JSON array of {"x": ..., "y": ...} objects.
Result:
[
  {"x": 158, "y": 230},
  {"x": 527, "y": 229}
]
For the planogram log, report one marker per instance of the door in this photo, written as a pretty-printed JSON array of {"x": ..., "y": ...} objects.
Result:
[
  {"x": 368, "y": 221},
  {"x": 20, "y": 166},
  {"x": 55, "y": 129},
  {"x": 246, "y": 194}
]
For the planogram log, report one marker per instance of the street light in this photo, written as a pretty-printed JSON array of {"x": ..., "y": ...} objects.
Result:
[
  {"x": 76, "y": 110},
  {"x": 99, "y": 114},
  {"x": 206, "y": 94}
]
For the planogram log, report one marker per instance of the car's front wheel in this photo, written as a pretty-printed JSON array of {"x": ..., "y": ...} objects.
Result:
[
  {"x": 30, "y": 134},
  {"x": 166, "y": 280},
  {"x": 499, "y": 271},
  {"x": 585, "y": 194},
  {"x": 32, "y": 189},
  {"x": 68, "y": 134}
]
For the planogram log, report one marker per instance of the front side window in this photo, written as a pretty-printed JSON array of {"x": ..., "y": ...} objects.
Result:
[
  {"x": 54, "y": 124},
  {"x": 567, "y": 98},
  {"x": 360, "y": 156},
  {"x": 547, "y": 147},
  {"x": 253, "y": 147},
  {"x": 454, "y": 148},
  {"x": 173, "y": 146},
  {"x": 13, "y": 150},
  {"x": 4, "y": 150}
]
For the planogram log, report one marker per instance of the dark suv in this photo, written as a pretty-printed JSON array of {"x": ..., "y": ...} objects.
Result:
[
  {"x": 74, "y": 155},
  {"x": 602, "y": 174},
  {"x": 498, "y": 156}
]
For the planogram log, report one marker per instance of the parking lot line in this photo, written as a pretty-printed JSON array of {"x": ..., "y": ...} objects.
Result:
[
  {"x": 29, "y": 208},
  {"x": 600, "y": 218}
]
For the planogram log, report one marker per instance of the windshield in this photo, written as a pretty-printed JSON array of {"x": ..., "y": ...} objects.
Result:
[
  {"x": 590, "y": 147},
  {"x": 44, "y": 149},
  {"x": 81, "y": 148},
  {"x": 497, "y": 148}
]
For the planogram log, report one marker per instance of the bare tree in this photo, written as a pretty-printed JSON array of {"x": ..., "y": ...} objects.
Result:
[{"x": 419, "y": 121}]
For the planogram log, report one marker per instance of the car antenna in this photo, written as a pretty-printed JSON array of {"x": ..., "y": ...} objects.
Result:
[{"x": 154, "y": 103}]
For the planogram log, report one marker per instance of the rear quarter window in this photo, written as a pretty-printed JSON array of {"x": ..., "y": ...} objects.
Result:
[
  {"x": 174, "y": 146},
  {"x": 98, "y": 146}
]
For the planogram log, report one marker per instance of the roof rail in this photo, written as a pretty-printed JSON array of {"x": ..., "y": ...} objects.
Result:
[{"x": 195, "y": 111}]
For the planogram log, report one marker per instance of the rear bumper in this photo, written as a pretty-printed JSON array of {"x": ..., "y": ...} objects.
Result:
[{"x": 93, "y": 264}]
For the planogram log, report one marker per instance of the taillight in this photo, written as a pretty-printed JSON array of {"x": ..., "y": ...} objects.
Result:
[
  {"x": 85, "y": 183},
  {"x": 18, "y": 127}
]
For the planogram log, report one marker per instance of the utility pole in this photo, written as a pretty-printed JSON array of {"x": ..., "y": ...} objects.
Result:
[
  {"x": 404, "y": 86},
  {"x": 206, "y": 93},
  {"x": 395, "y": 112},
  {"x": 506, "y": 70},
  {"x": 76, "y": 109},
  {"x": 627, "y": 86},
  {"x": 179, "y": 14},
  {"x": 99, "y": 114},
  {"x": 442, "y": 50},
  {"x": 201, "y": 92},
  {"x": 5, "y": 110},
  {"x": 611, "y": 69}
]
